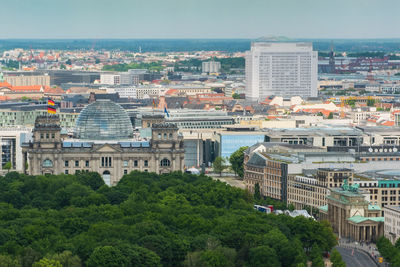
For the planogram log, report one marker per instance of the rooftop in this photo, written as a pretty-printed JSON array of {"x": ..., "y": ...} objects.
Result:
[{"x": 360, "y": 219}]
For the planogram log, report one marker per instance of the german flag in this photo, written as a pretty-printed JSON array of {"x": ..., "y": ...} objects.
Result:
[
  {"x": 51, "y": 110},
  {"x": 50, "y": 102}
]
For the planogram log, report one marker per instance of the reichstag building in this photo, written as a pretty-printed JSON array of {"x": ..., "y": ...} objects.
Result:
[{"x": 103, "y": 141}]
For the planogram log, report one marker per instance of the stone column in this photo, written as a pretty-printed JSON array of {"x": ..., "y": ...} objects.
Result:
[{"x": 370, "y": 233}]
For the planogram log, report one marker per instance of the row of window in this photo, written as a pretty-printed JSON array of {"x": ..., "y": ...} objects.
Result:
[
  {"x": 165, "y": 136},
  {"x": 53, "y": 135},
  {"x": 107, "y": 162}
]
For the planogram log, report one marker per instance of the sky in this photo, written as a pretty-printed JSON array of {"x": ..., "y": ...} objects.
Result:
[{"x": 199, "y": 18}]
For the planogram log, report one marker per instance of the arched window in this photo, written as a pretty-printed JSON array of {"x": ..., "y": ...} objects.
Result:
[
  {"x": 170, "y": 136},
  {"x": 165, "y": 163},
  {"x": 165, "y": 136},
  {"x": 47, "y": 163}
]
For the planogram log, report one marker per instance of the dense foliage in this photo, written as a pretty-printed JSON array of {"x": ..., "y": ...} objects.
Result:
[
  {"x": 146, "y": 220},
  {"x": 153, "y": 66},
  {"x": 389, "y": 252}
]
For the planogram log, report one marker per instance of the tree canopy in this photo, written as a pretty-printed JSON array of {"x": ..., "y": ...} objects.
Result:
[
  {"x": 145, "y": 220},
  {"x": 236, "y": 160}
]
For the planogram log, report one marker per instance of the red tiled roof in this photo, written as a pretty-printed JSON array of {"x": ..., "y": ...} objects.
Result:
[
  {"x": 5, "y": 84},
  {"x": 388, "y": 123}
]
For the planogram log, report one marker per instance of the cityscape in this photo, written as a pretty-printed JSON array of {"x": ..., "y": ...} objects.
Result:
[{"x": 169, "y": 143}]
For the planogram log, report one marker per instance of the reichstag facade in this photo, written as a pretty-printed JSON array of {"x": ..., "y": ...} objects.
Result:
[{"x": 103, "y": 142}]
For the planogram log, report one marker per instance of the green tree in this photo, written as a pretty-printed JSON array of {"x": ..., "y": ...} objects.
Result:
[
  {"x": 214, "y": 258},
  {"x": 336, "y": 259},
  {"x": 106, "y": 256},
  {"x": 386, "y": 249},
  {"x": 7, "y": 261},
  {"x": 236, "y": 159},
  {"x": 47, "y": 263},
  {"x": 330, "y": 116},
  {"x": 68, "y": 62},
  {"x": 67, "y": 259},
  {"x": 316, "y": 256},
  {"x": 219, "y": 165},
  {"x": 235, "y": 96},
  {"x": 7, "y": 166},
  {"x": 371, "y": 102},
  {"x": 257, "y": 192},
  {"x": 260, "y": 256}
]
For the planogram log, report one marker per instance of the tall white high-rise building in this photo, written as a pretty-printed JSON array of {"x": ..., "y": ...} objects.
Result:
[{"x": 281, "y": 69}]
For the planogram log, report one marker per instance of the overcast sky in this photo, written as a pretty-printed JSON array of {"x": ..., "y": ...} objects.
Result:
[{"x": 199, "y": 18}]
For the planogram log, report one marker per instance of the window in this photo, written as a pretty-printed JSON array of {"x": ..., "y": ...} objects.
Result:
[
  {"x": 125, "y": 171},
  {"x": 170, "y": 136},
  {"x": 135, "y": 163},
  {"x": 106, "y": 162},
  {"x": 125, "y": 163},
  {"x": 165, "y": 163},
  {"x": 77, "y": 171},
  {"x": 146, "y": 163},
  {"x": 165, "y": 136},
  {"x": 47, "y": 163},
  {"x": 41, "y": 136},
  {"x": 53, "y": 135},
  {"x": 159, "y": 136},
  {"x": 76, "y": 163},
  {"x": 66, "y": 172},
  {"x": 66, "y": 163},
  {"x": 87, "y": 163},
  {"x": 47, "y": 135}
]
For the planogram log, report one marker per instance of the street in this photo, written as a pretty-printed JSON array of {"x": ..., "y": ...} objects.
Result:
[{"x": 358, "y": 259}]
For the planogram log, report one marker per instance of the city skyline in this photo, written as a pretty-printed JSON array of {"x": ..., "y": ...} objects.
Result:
[{"x": 199, "y": 19}]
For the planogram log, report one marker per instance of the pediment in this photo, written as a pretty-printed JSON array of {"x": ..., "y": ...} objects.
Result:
[{"x": 106, "y": 148}]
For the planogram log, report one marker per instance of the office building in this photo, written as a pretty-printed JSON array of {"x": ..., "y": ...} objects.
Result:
[
  {"x": 211, "y": 67},
  {"x": 281, "y": 69},
  {"x": 311, "y": 190},
  {"x": 11, "y": 139},
  {"x": 110, "y": 79},
  {"x": 27, "y": 80},
  {"x": 392, "y": 223}
]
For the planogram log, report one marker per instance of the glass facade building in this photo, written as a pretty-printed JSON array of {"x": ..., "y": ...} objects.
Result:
[
  {"x": 103, "y": 120},
  {"x": 229, "y": 143}
]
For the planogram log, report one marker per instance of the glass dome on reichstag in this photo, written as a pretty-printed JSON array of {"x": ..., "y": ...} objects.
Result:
[{"x": 103, "y": 120}]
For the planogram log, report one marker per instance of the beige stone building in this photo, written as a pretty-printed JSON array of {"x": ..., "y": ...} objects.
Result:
[
  {"x": 381, "y": 192},
  {"x": 351, "y": 216},
  {"x": 312, "y": 190},
  {"x": 103, "y": 142}
]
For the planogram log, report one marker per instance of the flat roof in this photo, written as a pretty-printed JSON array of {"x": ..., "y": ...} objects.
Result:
[{"x": 395, "y": 208}]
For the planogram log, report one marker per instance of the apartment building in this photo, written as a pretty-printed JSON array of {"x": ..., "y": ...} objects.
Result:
[{"x": 281, "y": 69}]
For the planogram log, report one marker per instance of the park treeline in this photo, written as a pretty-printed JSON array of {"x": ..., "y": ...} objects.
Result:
[{"x": 146, "y": 220}]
